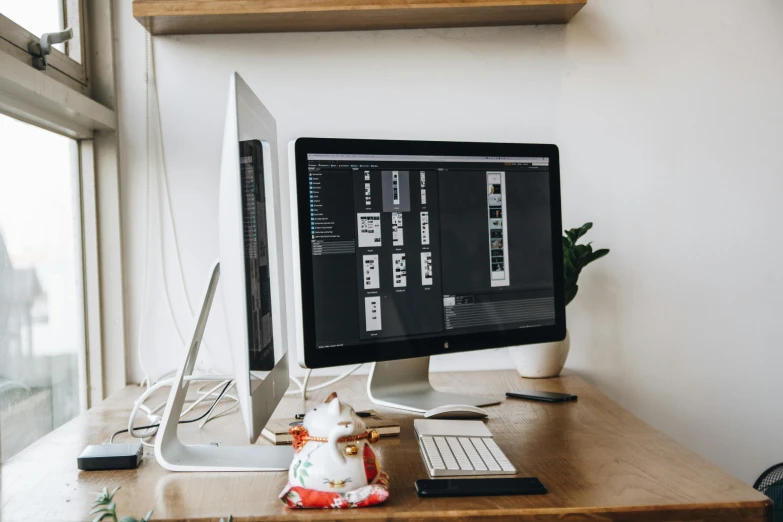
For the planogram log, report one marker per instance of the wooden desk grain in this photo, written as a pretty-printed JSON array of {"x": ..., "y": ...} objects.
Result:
[{"x": 599, "y": 462}]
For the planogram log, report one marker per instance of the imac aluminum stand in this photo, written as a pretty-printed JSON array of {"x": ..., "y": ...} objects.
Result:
[
  {"x": 405, "y": 384},
  {"x": 173, "y": 455}
]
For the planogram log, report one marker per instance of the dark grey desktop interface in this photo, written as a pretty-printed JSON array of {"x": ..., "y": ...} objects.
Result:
[{"x": 422, "y": 246}]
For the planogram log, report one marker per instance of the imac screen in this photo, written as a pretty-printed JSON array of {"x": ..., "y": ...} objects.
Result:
[
  {"x": 407, "y": 247},
  {"x": 259, "y": 295}
]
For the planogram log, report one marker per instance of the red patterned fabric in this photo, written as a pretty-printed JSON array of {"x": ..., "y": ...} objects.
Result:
[
  {"x": 370, "y": 463},
  {"x": 375, "y": 493}
]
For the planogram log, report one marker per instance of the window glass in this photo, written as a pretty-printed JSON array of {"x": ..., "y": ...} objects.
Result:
[
  {"x": 37, "y": 16},
  {"x": 41, "y": 296}
]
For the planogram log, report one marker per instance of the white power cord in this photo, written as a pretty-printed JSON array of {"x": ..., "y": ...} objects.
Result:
[
  {"x": 152, "y": 99},
  {"x": 303, "y": 389},
  {"x": 154, "y": 418}
]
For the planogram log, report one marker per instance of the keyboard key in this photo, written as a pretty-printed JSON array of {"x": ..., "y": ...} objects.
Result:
[
  {"x": 436, "y": 461},
  {"x": 499, "y": 455},
  {"x": 432, "y": 453},
  {"x": 472, "y": 454},
  {"x": 459, "y": 453},
  {"x": 485, "y": 454},
  {"x": 445, "y": 452}
]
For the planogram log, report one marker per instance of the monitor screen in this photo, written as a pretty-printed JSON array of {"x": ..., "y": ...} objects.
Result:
[
  {"x": 258, "y": 291},
  {"x": 409, "y": 247}
]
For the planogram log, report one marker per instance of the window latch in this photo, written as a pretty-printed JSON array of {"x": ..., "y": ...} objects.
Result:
[{"x": 40, "y": 50}]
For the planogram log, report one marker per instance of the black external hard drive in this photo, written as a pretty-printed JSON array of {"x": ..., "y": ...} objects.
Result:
[{"x": 102, "y": 457}]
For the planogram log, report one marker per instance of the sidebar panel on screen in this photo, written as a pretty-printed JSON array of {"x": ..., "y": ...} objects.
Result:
[{"x": 333, "y": 237}]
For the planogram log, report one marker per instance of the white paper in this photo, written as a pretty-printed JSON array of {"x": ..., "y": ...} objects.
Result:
[
  {"x": 370, "y": 275},
  {"x": 369, "y": 229},
  {"x": 397, "y": 229},
  {"x": 425, "y": 228},
  {"x": 372, "y": 313},
  {"x": 399, "y": 270},
  {"x": 426, "y": 268}
]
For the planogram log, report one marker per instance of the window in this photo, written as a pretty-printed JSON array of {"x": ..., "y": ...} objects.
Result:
[
  {"x": 24, "y": 21},
  {"x": 58, "y": 314},
  {"x": 41, "y": 291}
]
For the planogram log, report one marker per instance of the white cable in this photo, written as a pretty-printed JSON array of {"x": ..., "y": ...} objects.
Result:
[
  {"x": 138, "y": 403},
  {"x": 335, "y": 380},
  {"x": 298, "y": 384},
  {"x": 224, "y": 412},
  {"x": 204, "y": 397},
  {"x": 153, "y": 93},
  {"x": 153, "y": 121},
  {"x": 305, "y": 382},
  {"x": 146, "y": 214},
  {"x": 212, "y": 408},
  {"x": 303, "y": 389}
]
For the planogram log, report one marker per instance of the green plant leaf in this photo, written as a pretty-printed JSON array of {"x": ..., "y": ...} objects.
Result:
[
  {"x": 584, "y": 228},
  {"x": 301, "y": 479},
  {"x": 147, "y": 517},
  {"x": 128, "y": 519},
  {"x": 303, "y": 473},
  {"x": 570, "y": 293},
  {"x": 99, "y": 518},
  {"x": 576, "y": 257},
  {"x": 308, "y": 464},
  {"x": 97, "y": 510},
  {"x": 103, "y": 497},
  {"x": 598, "y": 254}
]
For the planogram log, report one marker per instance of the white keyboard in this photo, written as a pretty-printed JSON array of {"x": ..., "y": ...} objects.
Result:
[{"x": 460, "y": 448}]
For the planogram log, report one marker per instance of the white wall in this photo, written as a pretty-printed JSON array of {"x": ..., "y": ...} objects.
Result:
[{"x": 669, "y": 118}]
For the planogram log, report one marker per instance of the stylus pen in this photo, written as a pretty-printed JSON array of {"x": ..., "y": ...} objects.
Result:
[{"x": 368, "y": 413}]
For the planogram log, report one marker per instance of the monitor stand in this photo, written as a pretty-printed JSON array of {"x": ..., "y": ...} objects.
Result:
[
  {"x": 405, "y": 384},
  {"x": 173, "y": 455}
]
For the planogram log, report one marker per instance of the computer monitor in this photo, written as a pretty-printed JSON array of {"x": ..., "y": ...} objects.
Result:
[
  {"x": 249, "y": 275},
  {"x": 408, "y": 249}
]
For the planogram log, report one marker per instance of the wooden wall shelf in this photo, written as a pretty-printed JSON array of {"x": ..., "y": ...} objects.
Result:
[{"x": 261, "y": 16}]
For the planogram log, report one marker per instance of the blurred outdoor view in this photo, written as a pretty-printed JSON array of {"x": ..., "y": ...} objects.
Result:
[
  {"x": 41, "y": 299},
  {"x": 37, "y": 16}
]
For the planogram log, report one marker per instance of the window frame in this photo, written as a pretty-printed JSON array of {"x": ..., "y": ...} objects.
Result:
[
  {"x": 15, "y": 39},
  {"x": 79, "y": 101}
]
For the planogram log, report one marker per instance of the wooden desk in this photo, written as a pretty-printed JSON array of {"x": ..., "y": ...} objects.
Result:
[{"x": 598, "y": 460}]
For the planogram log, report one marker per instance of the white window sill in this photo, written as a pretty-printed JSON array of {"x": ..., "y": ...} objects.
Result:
[{"x": 31, "y": 96}]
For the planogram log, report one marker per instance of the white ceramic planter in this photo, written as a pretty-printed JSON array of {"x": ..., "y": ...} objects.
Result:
[{"x": 540, "y": 361}]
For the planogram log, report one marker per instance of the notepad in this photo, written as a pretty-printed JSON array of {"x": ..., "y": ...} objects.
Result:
[{"x": 276, "y": 430}]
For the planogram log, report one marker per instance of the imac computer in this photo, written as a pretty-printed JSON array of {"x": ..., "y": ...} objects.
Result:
[
  {"x": 408, "y": 249},
  {"x": 249, "y": 275}
]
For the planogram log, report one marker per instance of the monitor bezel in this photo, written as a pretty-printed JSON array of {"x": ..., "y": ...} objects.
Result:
[{"x": 424, "y": 347}]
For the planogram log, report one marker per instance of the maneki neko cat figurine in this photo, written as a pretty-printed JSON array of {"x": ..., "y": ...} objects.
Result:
[
  {"x": 333, "y": 450},
  {"x": 334, "y": 465}
]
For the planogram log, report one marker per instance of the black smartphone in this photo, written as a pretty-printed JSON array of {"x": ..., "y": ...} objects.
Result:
[
  {"x": 535, "y": 395},
  {"x": 479, "y": 487}
]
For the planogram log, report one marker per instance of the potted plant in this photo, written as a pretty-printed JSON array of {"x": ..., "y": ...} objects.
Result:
[{"x": 544, "y": 360}]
